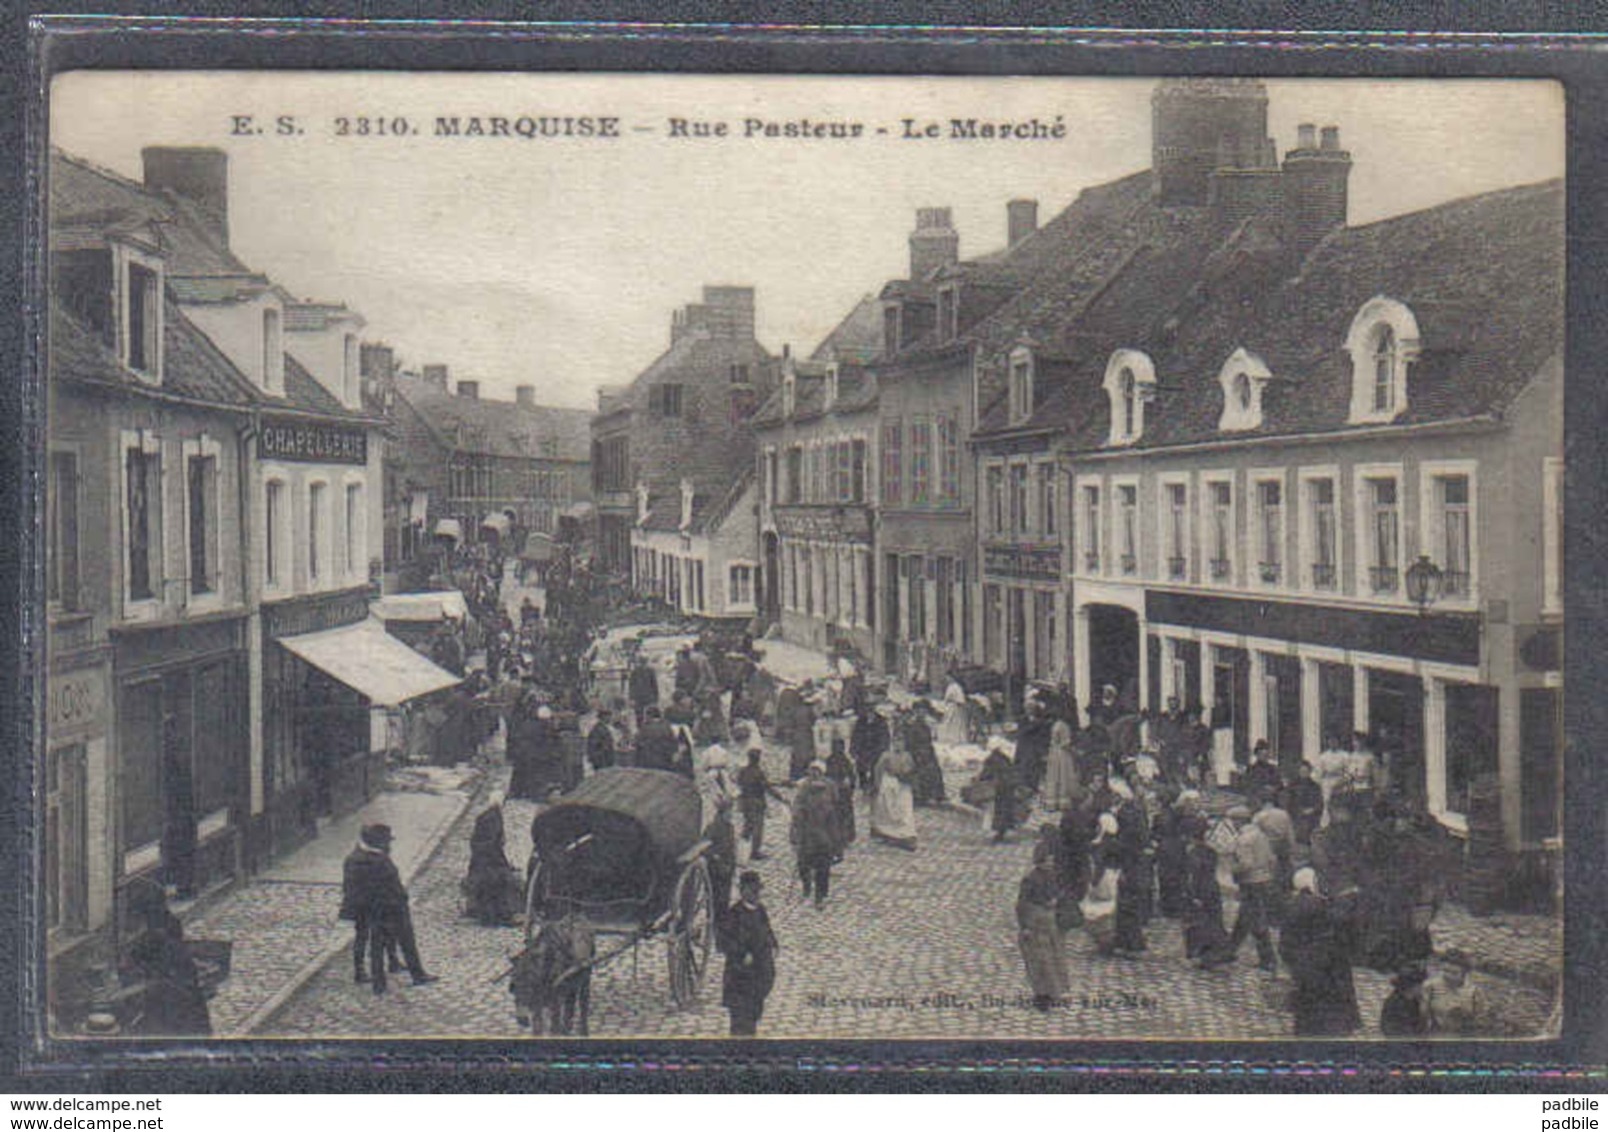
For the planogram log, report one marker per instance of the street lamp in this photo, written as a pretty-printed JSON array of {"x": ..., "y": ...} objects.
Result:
[{"x": 1424, "y": 580}]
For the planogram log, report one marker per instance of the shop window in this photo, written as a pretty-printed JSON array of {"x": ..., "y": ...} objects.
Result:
[
  {"x": 140, "y": 752},
  {"x": 66, "y": 846},
  {"x": 1540, "y": 762}
]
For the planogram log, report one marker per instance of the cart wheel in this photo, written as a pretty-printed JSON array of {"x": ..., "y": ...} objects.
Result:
[{"x": 691, "y": 934}]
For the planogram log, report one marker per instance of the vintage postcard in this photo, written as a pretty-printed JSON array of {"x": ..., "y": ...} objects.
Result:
[{"x": 671, "y": 556}]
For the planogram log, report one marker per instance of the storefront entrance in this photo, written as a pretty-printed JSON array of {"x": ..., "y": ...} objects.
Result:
[
  {"x": 1231, "y": 698},
  {"x": 1396, "y": 721},
  {"x": 1114, "y": 651}
]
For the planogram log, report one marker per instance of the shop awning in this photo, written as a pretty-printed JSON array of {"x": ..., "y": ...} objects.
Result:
[
  {"x": 449, "y": 528},
  {"x": 431, "y": 605},
  {"x": 371, "y": 662}
]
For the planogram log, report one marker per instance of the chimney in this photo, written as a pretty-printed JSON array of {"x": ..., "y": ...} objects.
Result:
[
  {"x": 1199, "y": 124},
  {"x": 199, "y": 174},
  {"x": 525, "y": 396},
  {"x": 934, "y": 243},
  {"x": 469, "y": 390},
  {"x": 436, "y": 375},
  {"x": 377, "y": 360},
  {"x": 1021, "y": 220},
  {"x": 1315, "y": 189}
]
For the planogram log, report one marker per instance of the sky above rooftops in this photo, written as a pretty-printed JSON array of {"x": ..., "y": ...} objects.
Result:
[{"x": 558, "y": 261}]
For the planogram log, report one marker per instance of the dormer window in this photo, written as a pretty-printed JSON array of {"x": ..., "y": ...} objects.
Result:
[
  {"x": 789, "y": 393},
  {"x": 1384, "y": 359},
  {"x": 1243, "y": 379},
  {"x": 1383, "y": 344},
  {"x": 139, "y": 311},
  {"x": 831, "y": 386},
  {"x": 890, "y": 329},
  {"x": 1130, "y": 383},
  {"x": 143, "y": 319},
  {"x": 948, "y": 313},
  {"x": 1021, "y": 385}
]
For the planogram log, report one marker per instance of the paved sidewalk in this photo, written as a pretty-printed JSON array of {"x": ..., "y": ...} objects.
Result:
[{"x": 284, "y": 920}]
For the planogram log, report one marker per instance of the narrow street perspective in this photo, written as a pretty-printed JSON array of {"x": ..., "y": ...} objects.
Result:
[{"x": 676, "y": 589}]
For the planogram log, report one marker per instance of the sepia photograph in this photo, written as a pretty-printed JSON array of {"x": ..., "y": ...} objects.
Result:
[{"x": 666, "y": 556}]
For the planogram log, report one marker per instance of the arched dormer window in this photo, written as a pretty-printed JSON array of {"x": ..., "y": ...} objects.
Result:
[
  {"x": 1130, "y": 383},
  {"x": 1021, "y": 384},
  {"x": 1383, "y": 344},
  {"x": 789, "y": 391},
  {"x": 1243, "y": 379},
  {"x": 831, "y": 394},
  {"x": 1384, "y": 359}
]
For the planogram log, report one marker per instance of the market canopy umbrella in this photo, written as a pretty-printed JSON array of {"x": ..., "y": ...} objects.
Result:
[{"x": 539, "y": 547}]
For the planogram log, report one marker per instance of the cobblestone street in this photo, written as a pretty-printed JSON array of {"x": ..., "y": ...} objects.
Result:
[{"x": 911, "y": 945}]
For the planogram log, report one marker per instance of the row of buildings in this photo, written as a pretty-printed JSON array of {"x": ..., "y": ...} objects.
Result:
[
  {"x": 230, "y": 474},
  {"x": 1195, "y": 438}
]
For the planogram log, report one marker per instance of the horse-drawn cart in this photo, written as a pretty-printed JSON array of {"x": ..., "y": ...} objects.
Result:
[{"x": 621, "y": 857}]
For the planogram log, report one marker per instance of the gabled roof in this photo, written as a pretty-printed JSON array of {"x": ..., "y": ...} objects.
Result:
[
  {"x": 82, "y": 193},
  {"x": 193, "y": 367},
  {"x": 309, "y": 316},
  {"x": 1060, "y": 262},
  {"x": 857, "y": 338},
  {"x": 857, "y": 390},
  {"x": 1484, "y": 277},
  {"x": 498, "y": 428},
  {"x": 716, "y": 488},
  {"x": 1137, "y": 271}
]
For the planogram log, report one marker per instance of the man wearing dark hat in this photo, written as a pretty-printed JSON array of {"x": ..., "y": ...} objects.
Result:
[
  {"x": 656, "y": 742},
  {"x": 749, "y": 945},
  {"x": 373, "y": 898}
]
